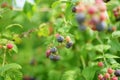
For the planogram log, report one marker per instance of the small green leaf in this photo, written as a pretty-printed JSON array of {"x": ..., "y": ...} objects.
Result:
[
  {"x": 14, "y": 25},
  {"x": 116, "y": 34},
  {"x": 10, "y": 66},
  {"x": 56, "y": 3},
  {"x": 101, "y": 47},
  {"x": 89, "y": 72},
  {"x": 111, "y": 56}
]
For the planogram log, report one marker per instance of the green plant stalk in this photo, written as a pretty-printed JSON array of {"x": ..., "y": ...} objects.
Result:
[
  {"x": 83, "y": 61},
  {"x": 4, "y": 57},
  {"x": 97, "y": 37}
]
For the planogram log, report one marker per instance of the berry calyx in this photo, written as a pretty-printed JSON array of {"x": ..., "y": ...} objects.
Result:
[
  {"x": 9, "y": 46},
  {"x": 68, "y": 39}
]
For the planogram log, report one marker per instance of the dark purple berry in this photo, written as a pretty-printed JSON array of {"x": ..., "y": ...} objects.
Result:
[
  {"x": 60, "y": 39},
  {"x": 74, "y": 9},
  {"x": 69, "y": 44},
  {"x": 54, "y": 57},
  {"x": 103, "y": 78},
  {"x": 80, "y": 17},
  {"x": 32, "y": 78},
  {"x": 82, "y": 27},
  {"x": 53, "y": 50},
  {"x": 117, "y": 73},
  {"x": 101, "y": 26},
  {"x": 48, "y": 52}
]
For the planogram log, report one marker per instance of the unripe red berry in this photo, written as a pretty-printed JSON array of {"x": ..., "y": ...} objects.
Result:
[
  {"x": 103, "y": 17},
  {"x": 110, "y": 71},
  {"x": 48, "y": 53},
  {"x": 102, "y": 8},
  {"x": 80, "y": 9},
  {"x": 98, "y": 1},
  {"x": 100, "y": 76},
  {"x": 114, "y": 78},
  {"x": 9, "y": 46},
  {"x": 57, "y": 35},
  {"x": 107, "y": 75},
  {"x": 92, "y": 10},
  {"x": 4, "y": 5},
  {"x": 100, "y": 64}
]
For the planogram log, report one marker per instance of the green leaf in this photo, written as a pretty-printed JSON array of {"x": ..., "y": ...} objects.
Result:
[
  {"x": 29, "y": 9},
  {"x": 14, "y": 25},
  {"x": 116, "y": 34},
  {"x": 7, "y": 67},
  {"x": 111, "y": 56},
  {"x": 15, "y": 49},
  {"x": 56, "y": 3},
  {"x": 7, "y": 77},
  {"x": 89, "y": 72},
  {"x": 102, "y": 47},
  {"x": 71, "y": 75}
]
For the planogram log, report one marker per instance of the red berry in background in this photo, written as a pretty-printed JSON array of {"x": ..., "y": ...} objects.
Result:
[
  {"x": 103, "y": 16},
  {"x": 98, "y": 1},
  {"x": 114, "y": 78},
  {"x": 100, "y": 76},
  {"x": 102, "y": 8},
  {"x": 92, "y": 10},
  {"x": 9, "y": 46},
  {"x": 100, "y": 64},
  {"x": 114, "y": 28},
  {"x": 116, "y": 14},
  {"x": 48, "y": 53},
  {"x": 80, "y": 9},
  {"x": 110, "y": 70},
  {"x": 57, "y": 35},
  {"x": 107, "y": 75},
  {"x": 4, "y": 5},
  {"x": 11, "y": 7}
]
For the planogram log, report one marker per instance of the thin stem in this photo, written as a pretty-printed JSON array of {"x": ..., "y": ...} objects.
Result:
[
  {"x": 97, "y": 37},
  {"x": 83, "y": 61},
  {"x": 4, "y": 57}
]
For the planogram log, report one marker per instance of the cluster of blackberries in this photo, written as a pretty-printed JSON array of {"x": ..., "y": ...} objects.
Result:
[
  {"x": 116, "y": 12},
  {"x": 93, "y": 15},
  {"x": 109, "y": 75},
  {"x": 68, "y": 40},
  {"x": 52, "y": 52}
]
